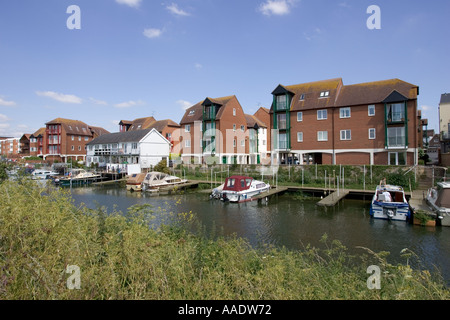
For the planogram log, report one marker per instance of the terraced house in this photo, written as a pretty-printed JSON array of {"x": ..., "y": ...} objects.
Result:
[{"x": 327, "y": 122}]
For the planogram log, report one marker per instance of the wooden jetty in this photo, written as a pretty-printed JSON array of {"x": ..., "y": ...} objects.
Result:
[{"x": 333, "y": 198}]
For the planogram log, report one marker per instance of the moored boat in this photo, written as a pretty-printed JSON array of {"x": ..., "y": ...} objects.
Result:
[
  {"x": 134, "y": 181},
  {"x": 240, "y": 189},
  {"x": 78, "y": 177},
  {"x": 389, "y": 202},
  {"x": 438, "y": 199},
  {"x": 43, "y": 174},
  {"x": 155, "y": 180}
]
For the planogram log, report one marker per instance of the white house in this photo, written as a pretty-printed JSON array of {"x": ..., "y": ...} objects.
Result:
[{"x": 139, "y": 150}]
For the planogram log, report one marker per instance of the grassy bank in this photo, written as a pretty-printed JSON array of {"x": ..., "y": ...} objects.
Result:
[{"x": 120, "y": 257}]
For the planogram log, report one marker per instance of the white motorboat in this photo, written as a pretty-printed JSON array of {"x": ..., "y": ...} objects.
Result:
[
  {"x": 155, "y": 180},
  {"x": 389, "y": 202},
  {"x": 43, "y": 174},
  {"x": 239, "y": 189},
  {"x": 438, "y": 199},
  {"x": 78, "y": 177}
]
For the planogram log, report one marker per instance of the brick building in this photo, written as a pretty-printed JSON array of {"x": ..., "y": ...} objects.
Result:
[
  {"x": 327, "y": 122},
  {"x": 65, "y": 139},
  {"x": 10, "y": 147},
  {"x": 214, "y": 130}
]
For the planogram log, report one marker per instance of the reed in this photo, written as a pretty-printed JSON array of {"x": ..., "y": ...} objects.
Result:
[{"x": 156, "y": 253}]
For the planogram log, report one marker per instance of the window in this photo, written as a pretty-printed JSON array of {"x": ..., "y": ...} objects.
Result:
[
  {"x": 187, "y": 128},
  {"x": 299, "y": 116},
  {"x": 372, "y": 133},
  {"x": 79, "y": 138},
  {"x": 243, "y": 143},
  {"x": 324, "y": 94},
  {"x": 134, "y": 145},
  {"x": 282, "y": 141},
  {"x": 187, "y": 143},
  {"x": 396, "y": 137},
  {"x": 191, "y": 113},
  {"x": 322, "y": 114},
  {"x": 234, "y": 111},
  {"x": 299, "y": 136},
  {"x": 346, "y": 135},
  {"x": 79, "y": 148},
  {"x": 73, "y": 138},
  {"x": 234, "y": 142},
  {"x": 86, "y": 138},
  {"x": 397, "y": 158},
  {"x": 344, "y": 113},
  {"x": 322, "y": 135},
  {"x": 73, "y": 148},
  {"x": 242, "y": 128},
  {"x": 234, "y": 127},
  {"x": 281, "y": 120},
  {"x": 302, "y": 97},
  {"x": 371, "y": 110},
  {"x": 396, "y": 112},
  {"x": 281, "y": 102}
]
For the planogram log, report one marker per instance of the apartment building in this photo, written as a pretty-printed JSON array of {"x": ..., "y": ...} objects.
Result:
[
  {"x": 168, "y": 128},
  {"x": 37, "y": 143},
  {"x": 215, "y": 130},
  {"x": 444, "y": 122},
  {"x": 10, "y": 147},
  {"x": 256, "y": 142},
  {"x": 65, "y": 139},
  {"x": 327, "y": 122}
]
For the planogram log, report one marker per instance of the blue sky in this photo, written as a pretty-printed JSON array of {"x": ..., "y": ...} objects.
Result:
[{"x": 137, "y": 58}]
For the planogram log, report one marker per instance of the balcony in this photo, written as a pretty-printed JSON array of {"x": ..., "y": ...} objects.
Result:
[{"x": 445, "y": 136}]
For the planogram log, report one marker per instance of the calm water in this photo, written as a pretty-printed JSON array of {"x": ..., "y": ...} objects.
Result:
[{"x": 287, "y": 221}]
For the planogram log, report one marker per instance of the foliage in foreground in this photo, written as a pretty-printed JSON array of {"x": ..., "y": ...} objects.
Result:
[{"x": 120, "y": 257}]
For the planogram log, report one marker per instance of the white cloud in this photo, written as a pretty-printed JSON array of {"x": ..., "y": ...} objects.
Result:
[
  {"x": 276, "y": 7},
  {"x": 425, "y": 108},
  {"x": 65, "y": 98},
  {"x": 5, "y": 103},
  {"x": 198, "y": 66},
  {"x": 173, "y": 8},
  {"x": 152, "y": 33},
  {"x": 129, "y": 104},
  {"x": 184, "y": 104},
  {"x": 3, "y": 118},
  {"x": 99, "y": 102},
  {"x": 130, "y": 3}
]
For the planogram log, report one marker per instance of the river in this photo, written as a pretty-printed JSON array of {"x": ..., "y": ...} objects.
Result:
[{"x": 292, "y": 222}]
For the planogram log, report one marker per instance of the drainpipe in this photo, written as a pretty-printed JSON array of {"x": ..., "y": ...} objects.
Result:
[{"x": 333, "y": 160}]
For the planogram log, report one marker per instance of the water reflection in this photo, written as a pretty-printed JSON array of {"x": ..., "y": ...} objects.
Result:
[{"x": 291, "y": 222}]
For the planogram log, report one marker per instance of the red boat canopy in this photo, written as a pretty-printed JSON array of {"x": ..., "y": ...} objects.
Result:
[{"x": 237, "y": 183}]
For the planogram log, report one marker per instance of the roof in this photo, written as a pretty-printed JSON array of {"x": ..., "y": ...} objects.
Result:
[
  {"x": 72, "y": 126},
  {"x": 376, "y": 92},
  {"x": 195, "y": 113},
  {"x": 307, "y": 95},
  {"x": 140, "y": 123},
  {"x": 40, "y": 132},
  {"x": 252, "y": 121},
  {"x": 161, "y": 124},
  {"x": 118, "y": 137},
  {"x": 445, "y": 98},
  {"x": 98, "y": 131}
]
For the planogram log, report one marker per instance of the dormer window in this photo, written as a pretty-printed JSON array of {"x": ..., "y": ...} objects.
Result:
[
  {"x": 302, "y": 97},
  {"x": 324, "y": 94},
  {"x": 192, "y": 112}
]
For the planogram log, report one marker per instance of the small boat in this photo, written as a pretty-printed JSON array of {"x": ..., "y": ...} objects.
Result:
[
  {"x": 43, "y": 174},
  {"x": 155, "y": 180},
  {"x": 78, "y": 177},
  {"x": 389, "y": 202},
  {"x": 239, "y": 189},
  {"x": 438, "y": 199},
  {"x": 134, "y": 181}
]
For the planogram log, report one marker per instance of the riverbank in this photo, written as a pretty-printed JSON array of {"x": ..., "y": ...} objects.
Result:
[{"x": 119, "y": 257}]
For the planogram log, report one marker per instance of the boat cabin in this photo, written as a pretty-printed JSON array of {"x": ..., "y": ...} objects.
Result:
[
  {"x": 388, "y": 193},
  {"x": 237, "y": 183}
]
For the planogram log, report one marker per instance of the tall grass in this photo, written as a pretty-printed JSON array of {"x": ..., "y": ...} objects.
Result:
[{"x": 129, "y": 256}]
